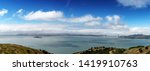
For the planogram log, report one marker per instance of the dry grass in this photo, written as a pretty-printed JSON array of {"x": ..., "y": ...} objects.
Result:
[{"x": 18, "y": 49}]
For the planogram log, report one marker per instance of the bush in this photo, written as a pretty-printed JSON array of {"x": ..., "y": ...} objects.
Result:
[{"x": 140, "y": 50}]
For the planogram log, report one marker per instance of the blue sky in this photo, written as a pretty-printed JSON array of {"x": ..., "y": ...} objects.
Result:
[{"x": 97, "y": 17}]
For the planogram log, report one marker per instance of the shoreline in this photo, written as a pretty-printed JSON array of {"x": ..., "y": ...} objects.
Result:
[{"x": 20, "y": 49}]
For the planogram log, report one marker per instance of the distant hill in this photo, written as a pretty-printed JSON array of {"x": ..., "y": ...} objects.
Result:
[
  {"x": 19, "y": 49},
  {"x": 137, "y": 36},
  {"x": 111, "y": 50}
]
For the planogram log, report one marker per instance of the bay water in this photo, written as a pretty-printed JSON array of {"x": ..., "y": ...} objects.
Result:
[{"x": 71, "y": 44}]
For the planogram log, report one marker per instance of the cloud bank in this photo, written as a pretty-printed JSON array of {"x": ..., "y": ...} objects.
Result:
[
  {"x": 44, "y": 16},
  {"x": 90, "y": 25},
  {"x": 42, "y": 28},
  {"x": 82, "y": 19},
  {"x": 86, "y": 24},
  {"x": 134, "y": 3}
]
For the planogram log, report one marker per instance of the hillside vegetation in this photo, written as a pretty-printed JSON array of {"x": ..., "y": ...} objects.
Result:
[
  {"x": 111, "y": 50},
  {"x": 19, "y": 49}
]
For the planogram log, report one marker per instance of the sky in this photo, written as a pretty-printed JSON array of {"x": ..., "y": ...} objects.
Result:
[{"x": 96, "y": 17}]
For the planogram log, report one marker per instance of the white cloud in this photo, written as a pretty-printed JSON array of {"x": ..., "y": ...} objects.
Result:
[
  {"x": 99, "y": 31},
  {"x": 114, "y": 22},
  {"x": 116, "y": 26},
  {"x": 109, "y": 18},
  {"x": 20, "y": 11},
  {"x": 45, "y": 16},
  {"x": 111, "y": 25},
  {"x": 87, "y": 20},
  {"x": 3, "y": 12},
  {"x": 116, "y": 19},
  {"x": 82, "y": 19},
  {"x": 135, "y": 3},
  {"x": 30, "y": 28},
  {"x": 139, "y": 30},
  {"x": 46, "y": 28},
  {"x": 59, "y": 16},
  {"x": 92, "y": 24}
]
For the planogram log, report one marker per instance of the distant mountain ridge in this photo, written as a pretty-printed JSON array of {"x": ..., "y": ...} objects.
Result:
[{"x": 136, "y": 36}]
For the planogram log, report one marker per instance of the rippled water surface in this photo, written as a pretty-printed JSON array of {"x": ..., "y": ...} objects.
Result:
[{"x": 70, "y": 44}]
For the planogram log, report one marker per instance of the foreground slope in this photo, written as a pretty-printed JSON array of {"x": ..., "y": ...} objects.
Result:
[
  {"x": 111, "y": 50},
  {"x": 19, "y": 49}
]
